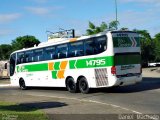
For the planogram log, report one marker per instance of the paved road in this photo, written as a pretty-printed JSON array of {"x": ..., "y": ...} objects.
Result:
[{"x": 142, "y": 98}]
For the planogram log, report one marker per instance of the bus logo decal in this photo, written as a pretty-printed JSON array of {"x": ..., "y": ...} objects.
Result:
[{"x": 58, "y": 69}]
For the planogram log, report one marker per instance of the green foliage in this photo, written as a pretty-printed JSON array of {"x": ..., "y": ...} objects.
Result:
[
  {"x": 144, "y": 33},
  {"x": 24, "y": 42},
  {"x": 103, "y": 26},
  {"x": 147, "y": 46},
  {"x": 92, "y": 29},
  {"x": 18, "y": 43},
  {"x": 113, "y": 25},
  {"x": 5, "y": 51},
  {"x": 157, "y": 47},
  {"x": 13, "y": 111},
  {"x": 91, "y": 25},
  {"x": 89, "y": 32}
]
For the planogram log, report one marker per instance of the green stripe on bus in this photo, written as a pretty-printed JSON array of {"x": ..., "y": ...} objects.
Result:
[
  {"x": 57, "y": 66},
  {"x": 54, "y": 74},
  {"x": 36, "y": 67},
  {"x": 84, "y": 63},
  {"x": 127, "y": 59},
  {"x": 92, "y": 62},
  {"x": 71, "y": 64}
]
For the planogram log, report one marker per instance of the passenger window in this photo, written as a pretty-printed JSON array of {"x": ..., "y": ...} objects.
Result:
[
  {"x": 76, "y": 49},
  {"x": 62, "y": 51},
  {"x": 38, "y": 55},
  {"x": 89, "y": 47},
  {"x": 20, "y": 58},
  {"x": 49, "y": 53},
  {"x": 100, "y": 44},
  {"x": 29, "y": 56}
]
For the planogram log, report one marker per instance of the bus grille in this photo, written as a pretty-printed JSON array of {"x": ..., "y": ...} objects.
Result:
[{"x": 101, "y": 77}]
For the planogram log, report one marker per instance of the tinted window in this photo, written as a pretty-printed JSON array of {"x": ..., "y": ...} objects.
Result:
[
  {"x": 38, "y": 55},
  {"x": 89, "y": 47},
  {"x": 49, "y": 53},
  {"x": 76, "y": 49},
  {"x": 29, "y": 56},
  {"x": 12, "y": 64},
  {"x": 62, "y": 51},
  {"x": 20, "y": 58},
  {"x": 100, "y": 44}
]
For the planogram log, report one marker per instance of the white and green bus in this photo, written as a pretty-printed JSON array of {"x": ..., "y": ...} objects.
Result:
[{"x": 107, "y": 59}]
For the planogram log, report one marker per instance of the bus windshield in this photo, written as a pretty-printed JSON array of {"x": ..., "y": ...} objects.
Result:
[{"x": 12, "y": 64}]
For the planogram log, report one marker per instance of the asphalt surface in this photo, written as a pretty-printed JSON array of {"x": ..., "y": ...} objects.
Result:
[{"x": 142, "y": 98}]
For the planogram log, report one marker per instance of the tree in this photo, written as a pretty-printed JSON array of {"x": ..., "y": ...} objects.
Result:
[
  {"x": 103, "y": 26},
  {"x": 24, "y": 42},
  {"x": 113, "y": 25},
  {"x": 157, "y": 47},
  {"x": 147, "y": 46},
  {"x": 5, "y": 51},
  {"x": 95, "y": 29}
]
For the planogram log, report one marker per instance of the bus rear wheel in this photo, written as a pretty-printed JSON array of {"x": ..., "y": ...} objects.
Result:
[
  {"x": 71, "y": 85},
  {"x": 22, "y": 84},
  {"x": 83, "y": 85}
]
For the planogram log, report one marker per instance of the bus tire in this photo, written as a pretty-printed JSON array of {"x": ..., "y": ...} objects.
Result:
[
  {"x": 22, "y": 84},
  {"x": 71, "y": 85},
  {"x": 83, "y": 85}
]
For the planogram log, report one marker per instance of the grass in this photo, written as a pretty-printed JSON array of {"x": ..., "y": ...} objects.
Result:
[{"x": 13, "y": 111}]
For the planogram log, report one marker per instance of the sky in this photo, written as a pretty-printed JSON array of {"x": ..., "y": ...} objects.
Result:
[{"x": 35, "y": 17}]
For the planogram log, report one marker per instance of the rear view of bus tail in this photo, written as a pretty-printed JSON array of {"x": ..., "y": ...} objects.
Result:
[{"x": 127, "y": 58}]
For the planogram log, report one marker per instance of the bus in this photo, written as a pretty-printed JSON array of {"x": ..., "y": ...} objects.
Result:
[{"x": 107, "y": 59}]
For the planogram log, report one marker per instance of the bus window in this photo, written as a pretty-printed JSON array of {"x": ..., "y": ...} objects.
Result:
[
  {"x": 12, "y": 64},
  {"x": 38, "y": 55},
  {"x": 89, "y": 47},
  {"x": 29, "y": 56},
  {"x": 49, "y": 53},
  {"x": 100, "y": 44},
  {"x": 76, "y": 49},
  {"x": 20, "y": 58},
  {"x": 62, "y": 51}
]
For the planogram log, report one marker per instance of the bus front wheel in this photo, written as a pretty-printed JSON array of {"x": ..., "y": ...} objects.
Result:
[
  {"x": 22, "y": 84},
  {"x": 71, "y": 85},
  {"x": 83, "y": 85}
]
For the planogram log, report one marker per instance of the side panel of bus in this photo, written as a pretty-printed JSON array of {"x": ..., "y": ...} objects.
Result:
[{"x": 53, "y": 73}]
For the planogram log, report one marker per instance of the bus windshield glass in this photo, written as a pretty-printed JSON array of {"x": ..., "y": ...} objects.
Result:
[{"x": 12, "y": 64}]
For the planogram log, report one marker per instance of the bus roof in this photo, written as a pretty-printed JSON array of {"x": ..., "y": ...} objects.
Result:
[{"x": 123, "y": 31}]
